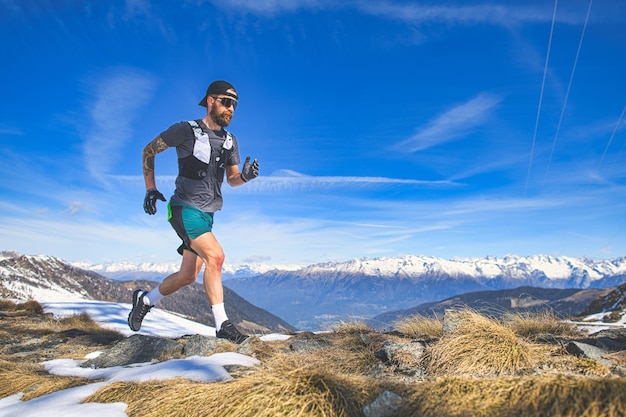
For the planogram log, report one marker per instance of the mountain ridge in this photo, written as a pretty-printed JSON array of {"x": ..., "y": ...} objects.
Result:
[
  {"x": 364, "y": 288},
  {"x": 46, "y": 278},
  {"x": 324, "y": 293},
  {"x": 553, "y": 267}
]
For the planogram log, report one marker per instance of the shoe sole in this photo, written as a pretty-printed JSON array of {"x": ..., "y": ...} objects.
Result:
[{"x": 135, "y": 299}]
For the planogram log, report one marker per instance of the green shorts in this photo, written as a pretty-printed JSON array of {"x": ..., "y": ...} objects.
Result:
[{"x": 189, "y": 223}]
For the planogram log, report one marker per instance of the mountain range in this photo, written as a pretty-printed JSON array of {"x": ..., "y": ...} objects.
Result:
[
  {"x": 157, "y": 271},
  {"x": 318, "y": 294},
  {"x": 382, "y": 289},
  {"x": 46, "y": 278}
]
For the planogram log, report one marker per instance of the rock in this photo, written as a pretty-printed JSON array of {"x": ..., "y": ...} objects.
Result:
[
  {"x": 198, "y": 345},
  {"x": 587, "y": 351},
  {"x": 309, "y": 343},
  {"x": 610, "y": 339},
  {"x": 385, "y": 405},
  {"x": 137, "y": 348},
  {"x": 451, "y": 320},
  {"x": 406, "y": 356}
]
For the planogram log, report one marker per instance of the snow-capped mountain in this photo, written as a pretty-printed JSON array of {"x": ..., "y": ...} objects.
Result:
[
  {"x": 609, "y": 309},
  {"x": 154, "y": 271},
  {"x": 516, "y": 267},
  {"x": 364, "y": 288},
  {"x": 368, "y": 287},
  {"x": 49, "y": 279}
]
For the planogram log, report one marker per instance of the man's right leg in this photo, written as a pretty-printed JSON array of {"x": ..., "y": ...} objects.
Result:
[
  {"x": 186, "y": 275},
  {"x": 143, "y": 301}
]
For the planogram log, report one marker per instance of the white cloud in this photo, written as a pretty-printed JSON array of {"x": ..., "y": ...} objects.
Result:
[
  {"x": 74, "y": 207},
  {"x": 270, "y": 7},
  {"x": 288, "y": 181},
  {"x": 452, "y": 124},
  {"x": 500, "y": 15},
  {"x": 505, "y": 15},
  {"x": 116, "y": 100},
  {"x": 12, "y": 131}
]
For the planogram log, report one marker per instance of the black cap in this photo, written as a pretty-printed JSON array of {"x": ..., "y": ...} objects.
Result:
[{"x": 216, "y": 88}]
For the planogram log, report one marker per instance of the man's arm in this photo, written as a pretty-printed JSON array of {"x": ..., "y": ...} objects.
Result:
[
  {"x": 158, "y": 145},
  {"x": 233, "y": 176},
  {"x": 250, "y": 171}
]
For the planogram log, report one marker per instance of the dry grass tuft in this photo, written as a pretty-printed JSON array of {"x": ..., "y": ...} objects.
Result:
[
  {"x": 32, "y": 380},
  {"x": 535, "y": 326},
  {"x": 478, "y": 346},
  {"x": 555, "y": 396},
  {"x": 419, "y": 326},
  {"x": 276, "y": 389},
  {"x": 351, "y": 327},
  {"x": 31, "y": 307}
]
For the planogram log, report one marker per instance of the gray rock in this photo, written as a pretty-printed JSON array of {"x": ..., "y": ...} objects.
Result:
[
  {"x": 137, "y": 348},
  {"x": 610, "y": 339},
  {"x": 405, "y": 356},
  {"x": 587, "y": 351},
  {"x": 385, "y": 405},
  {"x": 451, "y": 320},
  {"x": 198, "y": 345},
  {"x": 308, "y": 344}
]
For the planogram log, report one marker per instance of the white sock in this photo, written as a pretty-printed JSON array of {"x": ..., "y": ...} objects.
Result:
[
  {"x": 220, "y": 315},
  {"x": 152, "y": 297}
]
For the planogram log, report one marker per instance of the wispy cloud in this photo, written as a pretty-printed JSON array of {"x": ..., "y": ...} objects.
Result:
[
  {"x": 270, "y": 7},
  {"x": 112, "y": 109},
  {"x": 495, "y": 14},
  {"x": 291, "y": 181},
  {"x": 499, "y": 15},
  {"x": 452, "y": 124},
  {"x": 143, "y": 10},
  {"x": 10, "y": 131},
  {"x": 287, "y": 180}
]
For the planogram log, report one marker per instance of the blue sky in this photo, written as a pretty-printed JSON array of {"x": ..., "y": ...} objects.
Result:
[{"x": 449, "y": 129}]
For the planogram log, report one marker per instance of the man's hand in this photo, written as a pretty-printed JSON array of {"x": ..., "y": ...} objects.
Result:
[
  {"x": 149, "y": 201},
  {"x": 250, "y": 170}
]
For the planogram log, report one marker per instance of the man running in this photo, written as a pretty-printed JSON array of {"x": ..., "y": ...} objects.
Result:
[{"x": 206, "y": 151}]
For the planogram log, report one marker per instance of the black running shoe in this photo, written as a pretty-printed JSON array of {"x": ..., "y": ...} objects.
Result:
[
  {"x": 138, "y": 311},
  {"x": 230, "y": 332}
]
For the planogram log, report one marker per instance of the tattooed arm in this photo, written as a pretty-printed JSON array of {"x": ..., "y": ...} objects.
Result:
[{"x": 158, "y": 145}]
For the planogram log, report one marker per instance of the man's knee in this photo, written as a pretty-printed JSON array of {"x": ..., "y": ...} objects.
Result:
[{"x": 216, "y": 260}]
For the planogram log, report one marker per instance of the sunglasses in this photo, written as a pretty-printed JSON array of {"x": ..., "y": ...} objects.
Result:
[{"x": 227, "y": 102}]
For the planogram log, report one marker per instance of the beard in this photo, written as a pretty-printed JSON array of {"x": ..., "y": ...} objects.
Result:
[{"x": 223, "y": 119}]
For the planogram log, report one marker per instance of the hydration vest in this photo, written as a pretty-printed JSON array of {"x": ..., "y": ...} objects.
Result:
[{"x": 199, "y": 164}]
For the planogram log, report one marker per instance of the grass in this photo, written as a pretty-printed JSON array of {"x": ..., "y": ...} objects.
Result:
[
  {"x": 482, "y": 367},
  {"x": 32, "y": 380},
  {"x": 272, "y": 391},
  {"x": 479, "y": 346},
  {"x": 539, "y": 325},
  {"x": 555, "y": 396},
  {"x": 419, "y": 326}
]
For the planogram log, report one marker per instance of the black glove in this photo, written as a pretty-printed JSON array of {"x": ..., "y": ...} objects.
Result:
[
  {"x": 250, "y": 170},
  {"x": 149, "y": 201}
]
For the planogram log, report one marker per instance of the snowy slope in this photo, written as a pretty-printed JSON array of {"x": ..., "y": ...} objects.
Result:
[{"x": 69, "y": 402}]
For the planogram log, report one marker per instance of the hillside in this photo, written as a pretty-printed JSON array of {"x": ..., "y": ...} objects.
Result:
[
  {"x": 45, "y": 278},
  {"x": 564, "y": 303}
]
